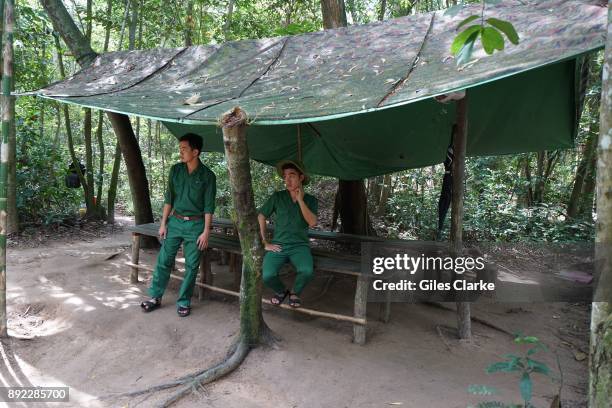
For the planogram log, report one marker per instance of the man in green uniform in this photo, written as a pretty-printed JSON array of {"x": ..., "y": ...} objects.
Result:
[
  {"x": 189, "y": 204},
  {"x": 294, "y": 212}
]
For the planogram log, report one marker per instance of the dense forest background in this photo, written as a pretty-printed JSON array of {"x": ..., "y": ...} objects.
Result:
[{"x": 543, "y": 196}]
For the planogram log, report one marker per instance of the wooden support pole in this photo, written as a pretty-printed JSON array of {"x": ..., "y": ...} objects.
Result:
[
  {"x": 135, "y": 256},
  {"x": 361, "y": 303},
  {"x": 464, "y": 328}
]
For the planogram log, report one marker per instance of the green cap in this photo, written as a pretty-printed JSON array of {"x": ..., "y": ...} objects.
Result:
[{"x": 298, "y": 164}]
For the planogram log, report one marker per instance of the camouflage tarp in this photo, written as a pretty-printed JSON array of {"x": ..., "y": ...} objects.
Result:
[{"x": 355, "y": 90}]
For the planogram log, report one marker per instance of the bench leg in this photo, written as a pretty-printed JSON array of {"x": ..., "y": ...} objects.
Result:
[
  {"x": 384, "y": 308},
  {"x": 135, "y": 257},
  {"x": 205, "y": 273},
  {"x": 361, "y": 302}
]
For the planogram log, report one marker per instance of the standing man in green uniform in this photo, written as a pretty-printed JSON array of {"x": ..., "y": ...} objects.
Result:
[
  {"x": 189, "y": 204},
  {"x": 294, "y": 213}
]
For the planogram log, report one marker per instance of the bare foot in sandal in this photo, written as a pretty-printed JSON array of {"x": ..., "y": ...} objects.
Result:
[{"x": 294, "y": 300}]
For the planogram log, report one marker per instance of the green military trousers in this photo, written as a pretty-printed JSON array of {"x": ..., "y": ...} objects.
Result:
[
  {"x": 299, "y": 256},
  {"x": 178, "y": 231}
]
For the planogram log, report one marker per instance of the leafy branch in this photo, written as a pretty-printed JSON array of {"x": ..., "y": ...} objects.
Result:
[{"x": 489, "y": 31}]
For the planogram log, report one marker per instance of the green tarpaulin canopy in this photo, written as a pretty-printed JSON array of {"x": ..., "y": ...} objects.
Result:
[{"x": 361, "y": 97}]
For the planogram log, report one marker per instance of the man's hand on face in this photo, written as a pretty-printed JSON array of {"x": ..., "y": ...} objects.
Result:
[
  {"x": 299, "y": 193},
  {"x": 203, "y": 240},
  {"x": 272, "y": 247}
]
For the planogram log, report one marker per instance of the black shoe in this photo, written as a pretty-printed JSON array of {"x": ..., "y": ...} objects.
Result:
[
  {"x": 183, "y": 311},
  {"x": 150, "y": 305}
]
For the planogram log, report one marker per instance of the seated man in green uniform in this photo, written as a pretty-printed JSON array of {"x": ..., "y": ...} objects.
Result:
[
  {"x": 294, "y": 212},
  {"x": 189, "y": 204}
]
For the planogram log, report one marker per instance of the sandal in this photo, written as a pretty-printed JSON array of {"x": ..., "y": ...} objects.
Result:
[
  {"x": 150, "y": 305},
  {"x": 279, "y": 298},
  {"x": 295, "y": 301},
  {"x": 183, "y": 311}
]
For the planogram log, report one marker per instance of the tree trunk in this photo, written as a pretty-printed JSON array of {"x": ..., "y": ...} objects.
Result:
[
  {"x": 228, "y": 20},
  {"x": 100, "y": 175},
  {"x": 237, "y": 154},
  {"x": 334, "y": 15},
  {"x": 374, "y": 187},
  {"x": 75, "y": 161},
  {"x": 109, "y": 11},
  {"x": 12, "y": 224},
  {"x": 573, "y": 205},
  {"x": 89, "y": 202},
  {"x": 385, "y": 193},
  {"x": 8, "y": 121},
  {"x": 600, "y": 383},
  {"x": 464, "y": 326},
  {"x": 81, "y": 49},
  {"x": 528, "y": 189},
  {"x": 123, "y": 24},
  {"x": 588, "y": 189},
  {"x": 383, "y": 9},
  {"x": 189, "y": 24},
  {"x": 351, "y": 197},
  {"x": 133, "y": 26},
  {"x": 112, "y": 186}
]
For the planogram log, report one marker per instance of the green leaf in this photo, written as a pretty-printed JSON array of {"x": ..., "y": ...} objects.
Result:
[
  {"x": 467, "y": 20},
  {"x": 462, "y": 38},
  {"x": 527, "y": 339},
  {"x": 538, "y": 367},
  {"x": 466, "y": 51},
  {"x": 526, "y": 387},
  {"x": 505, "y": 367},
  {"x": 492, "y": 40},
  {"x": 505, "y": 27}
]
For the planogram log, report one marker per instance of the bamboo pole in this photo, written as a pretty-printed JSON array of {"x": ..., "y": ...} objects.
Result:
[
  {"x": 464, "y": 328},
  {"x": 311, "y": 312},
  {"x": 8, "y": 113}
]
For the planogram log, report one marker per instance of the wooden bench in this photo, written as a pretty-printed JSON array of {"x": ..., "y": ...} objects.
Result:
[{"x": 324, "y": 261}]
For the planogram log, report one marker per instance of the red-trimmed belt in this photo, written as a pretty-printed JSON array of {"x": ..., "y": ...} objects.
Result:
[{"x": 187, "y": 218}]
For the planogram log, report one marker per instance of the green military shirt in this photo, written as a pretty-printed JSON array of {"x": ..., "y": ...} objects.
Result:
[
  {"x": 290, "y": 227},
  {"x": 191, "y": 194}
]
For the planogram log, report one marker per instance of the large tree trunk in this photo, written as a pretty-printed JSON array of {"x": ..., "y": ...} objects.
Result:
[
  {"x": 351, "y": 198},
  {"x": 8, "y": 116},
  {"x": 334, "y": 14},
  {"x": 237, "y": 154},
  {"x": 600, "y": 384},
  {"x": 84, "y": 54}
]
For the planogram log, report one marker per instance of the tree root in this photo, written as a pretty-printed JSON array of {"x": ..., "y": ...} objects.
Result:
[
  {"x": 209, "y": 375},
  {"x": 240, "y": 349}
]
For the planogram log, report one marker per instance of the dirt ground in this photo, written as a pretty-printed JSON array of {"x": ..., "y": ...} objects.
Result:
[{"x": 75, "y": 321}]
